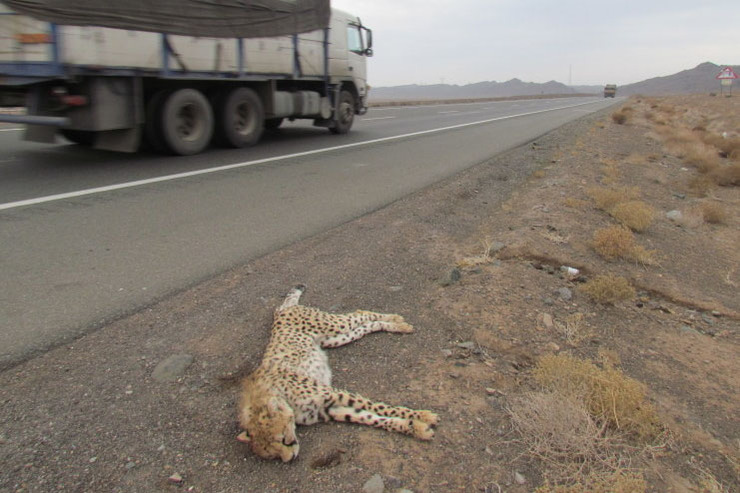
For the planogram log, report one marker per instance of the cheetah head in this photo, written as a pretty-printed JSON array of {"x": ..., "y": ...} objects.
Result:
[{"x": 269, "y": 428}]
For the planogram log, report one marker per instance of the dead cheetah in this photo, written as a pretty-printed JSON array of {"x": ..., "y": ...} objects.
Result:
[{"x": 292, "y": 385}]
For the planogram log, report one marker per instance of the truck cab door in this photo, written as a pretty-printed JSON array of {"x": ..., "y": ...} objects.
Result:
[{"x": 359, "y": 47}]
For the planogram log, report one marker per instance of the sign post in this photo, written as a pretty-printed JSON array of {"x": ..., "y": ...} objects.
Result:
[{"x": 725, "y": 77}]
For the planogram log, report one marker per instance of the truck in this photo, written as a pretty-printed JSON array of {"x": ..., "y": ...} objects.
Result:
[
  {"x": 178, "y": 76},
  {"x": 610, "y": 90}
]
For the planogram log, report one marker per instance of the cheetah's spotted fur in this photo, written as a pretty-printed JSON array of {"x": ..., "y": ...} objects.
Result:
[{"x": 292, "y": 385}]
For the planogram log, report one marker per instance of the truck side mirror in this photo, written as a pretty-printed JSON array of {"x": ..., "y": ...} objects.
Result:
[{"x": 368, "y": 41}]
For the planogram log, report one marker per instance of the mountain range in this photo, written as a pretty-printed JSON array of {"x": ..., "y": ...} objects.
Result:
[{"x": 700, "y": 79}]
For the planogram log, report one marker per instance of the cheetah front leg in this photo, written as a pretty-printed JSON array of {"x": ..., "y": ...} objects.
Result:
[
  {"x": 344, "y": 329},
  {"x": 354, "y": 408}
]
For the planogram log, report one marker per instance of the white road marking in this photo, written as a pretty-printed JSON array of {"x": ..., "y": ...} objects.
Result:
[
  {"x": 378, "y": 118},
  {"x": 188, "y": 174},
  {"x": 10, "y": 129},
  {"x": 447, "y": 112}
]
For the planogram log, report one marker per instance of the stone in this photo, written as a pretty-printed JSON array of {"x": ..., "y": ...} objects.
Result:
[
  {"x": 547, "y": 320},
  {"x": 172, "y": 368},
  {"x": 374, "y": 485},
  {"x": 518, "y": 478},
  {"x": 674, "y": 215},
  {"x": 548, "y": 301},
  {"x": 565, "y": 294},
  {"x": 451, "y": 278},
  {"x": 469, "y": 345},
  {"x": 496, "y": 247},
  {"x": 551, "y": 346},
  {"x": 175, "y": 478}
]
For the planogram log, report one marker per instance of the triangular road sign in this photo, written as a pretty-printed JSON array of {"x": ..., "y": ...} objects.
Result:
[{"x": 726, "y": 73}]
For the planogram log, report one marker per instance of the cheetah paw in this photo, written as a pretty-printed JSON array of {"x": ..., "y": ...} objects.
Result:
[
  {"x": 422, "y": 430},
  {"x": 401, "y": 327},
  {"x": 428, "y": 417}
]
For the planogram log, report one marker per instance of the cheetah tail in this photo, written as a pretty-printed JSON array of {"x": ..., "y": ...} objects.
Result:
[{"x": 291, "y": 299}]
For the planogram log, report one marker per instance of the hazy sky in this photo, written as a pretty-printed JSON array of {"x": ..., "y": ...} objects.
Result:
[{"x": 588, "y": 42}]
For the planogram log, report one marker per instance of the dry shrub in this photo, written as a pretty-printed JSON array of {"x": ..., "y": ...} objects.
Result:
[
  {"x": 729, "y": 146},
  {"x": 702, "y": 157},
  {"x": 606, "y": 198},
  {"x": 635, "y": 214},
  {"x": 608, "y": 289},
  {"x": 540, "y": 173},
  {"x": 727, "y": 175},
  {"x": 619, "y": 481},
  {"x": 617, "y": 242},
  {"x": 701, "y": 185},
  {"x": 619, "y": 117},
  {"x": 556, "y": 426},
  {"x": 643, "y": 256},
  {"x": 616, "y": 402},
  {"x": 677, "y": 140},
  {"x": 713, "y": 212},
  {"x": 575, "y": 203},
  {"x": 573, "y": 329},
  {"x": 614, "y": 242}
]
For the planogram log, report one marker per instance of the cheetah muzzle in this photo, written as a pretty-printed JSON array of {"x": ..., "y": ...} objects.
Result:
[{"x": 292, "y": 385}]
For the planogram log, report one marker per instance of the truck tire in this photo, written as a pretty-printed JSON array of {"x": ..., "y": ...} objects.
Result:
[
  {"x": 345, "y": 113},
  {"x": 186, "y": 118},
  {"x": 153, "y": 123},
  {"x": 240, "y": 118}
]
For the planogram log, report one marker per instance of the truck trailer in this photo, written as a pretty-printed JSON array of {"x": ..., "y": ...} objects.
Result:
[{"x": 177, "y": 75}]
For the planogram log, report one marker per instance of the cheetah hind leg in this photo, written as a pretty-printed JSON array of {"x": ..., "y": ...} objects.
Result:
[
  {"x": 353, "y": 408},
  {"x": 349, "y": 327}
]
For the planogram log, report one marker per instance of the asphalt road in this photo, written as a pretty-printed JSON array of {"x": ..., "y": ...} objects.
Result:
[{"x": 87, "y": 236}]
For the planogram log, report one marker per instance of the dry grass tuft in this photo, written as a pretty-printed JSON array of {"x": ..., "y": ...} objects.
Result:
[
  {"x": 575, "y": 203},
  {"x": 713, "y": 212},
  {"x": 729, "y": 146},
  {"x": 619, "y": 481},
  {"x": 606, "y": 198},
  {"x": 614, "y": 242},
  {"x": 608, "y": 289},
  {"x": 614, "y": 401},
  {"x": 635, "y": 214},
  {"x": 702, "y": 157},
  {"x": 573, "y": 329},
  {"x": 701, "y": 185},
  {"x": 616, "y": 482},
  {"x": 643, "y": 256},
  {"x": 620, "y": 117},
  {"x": 727, "y": 175},
  {"x": 556, "y": 426},
  {"x": 618, "y": 242}
]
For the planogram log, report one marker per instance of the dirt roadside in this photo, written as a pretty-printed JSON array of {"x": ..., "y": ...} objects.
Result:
[{"x": 474, "y": 263}]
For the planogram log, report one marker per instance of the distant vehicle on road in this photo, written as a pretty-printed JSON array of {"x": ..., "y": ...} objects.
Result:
[
  {"x": 610, "y": 90},
  {"x": 223, "y": 71}
]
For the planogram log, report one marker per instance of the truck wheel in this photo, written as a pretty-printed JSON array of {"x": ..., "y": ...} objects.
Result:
[
  {"x": 240, "y": 118},
  {"x": 153, "y": 123},
  {"x": 345, "y": 113},
  {"x": 187, "y": 121}
]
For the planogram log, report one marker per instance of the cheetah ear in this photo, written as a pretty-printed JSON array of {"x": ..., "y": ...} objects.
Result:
[{"x": 243, "y": 437}]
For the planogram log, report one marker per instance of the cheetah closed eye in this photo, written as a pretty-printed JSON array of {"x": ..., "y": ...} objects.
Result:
[{"x": 292, "y": 385}]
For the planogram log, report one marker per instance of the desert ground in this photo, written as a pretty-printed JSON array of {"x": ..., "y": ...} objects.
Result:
[{"x": 577, "y": 330}]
